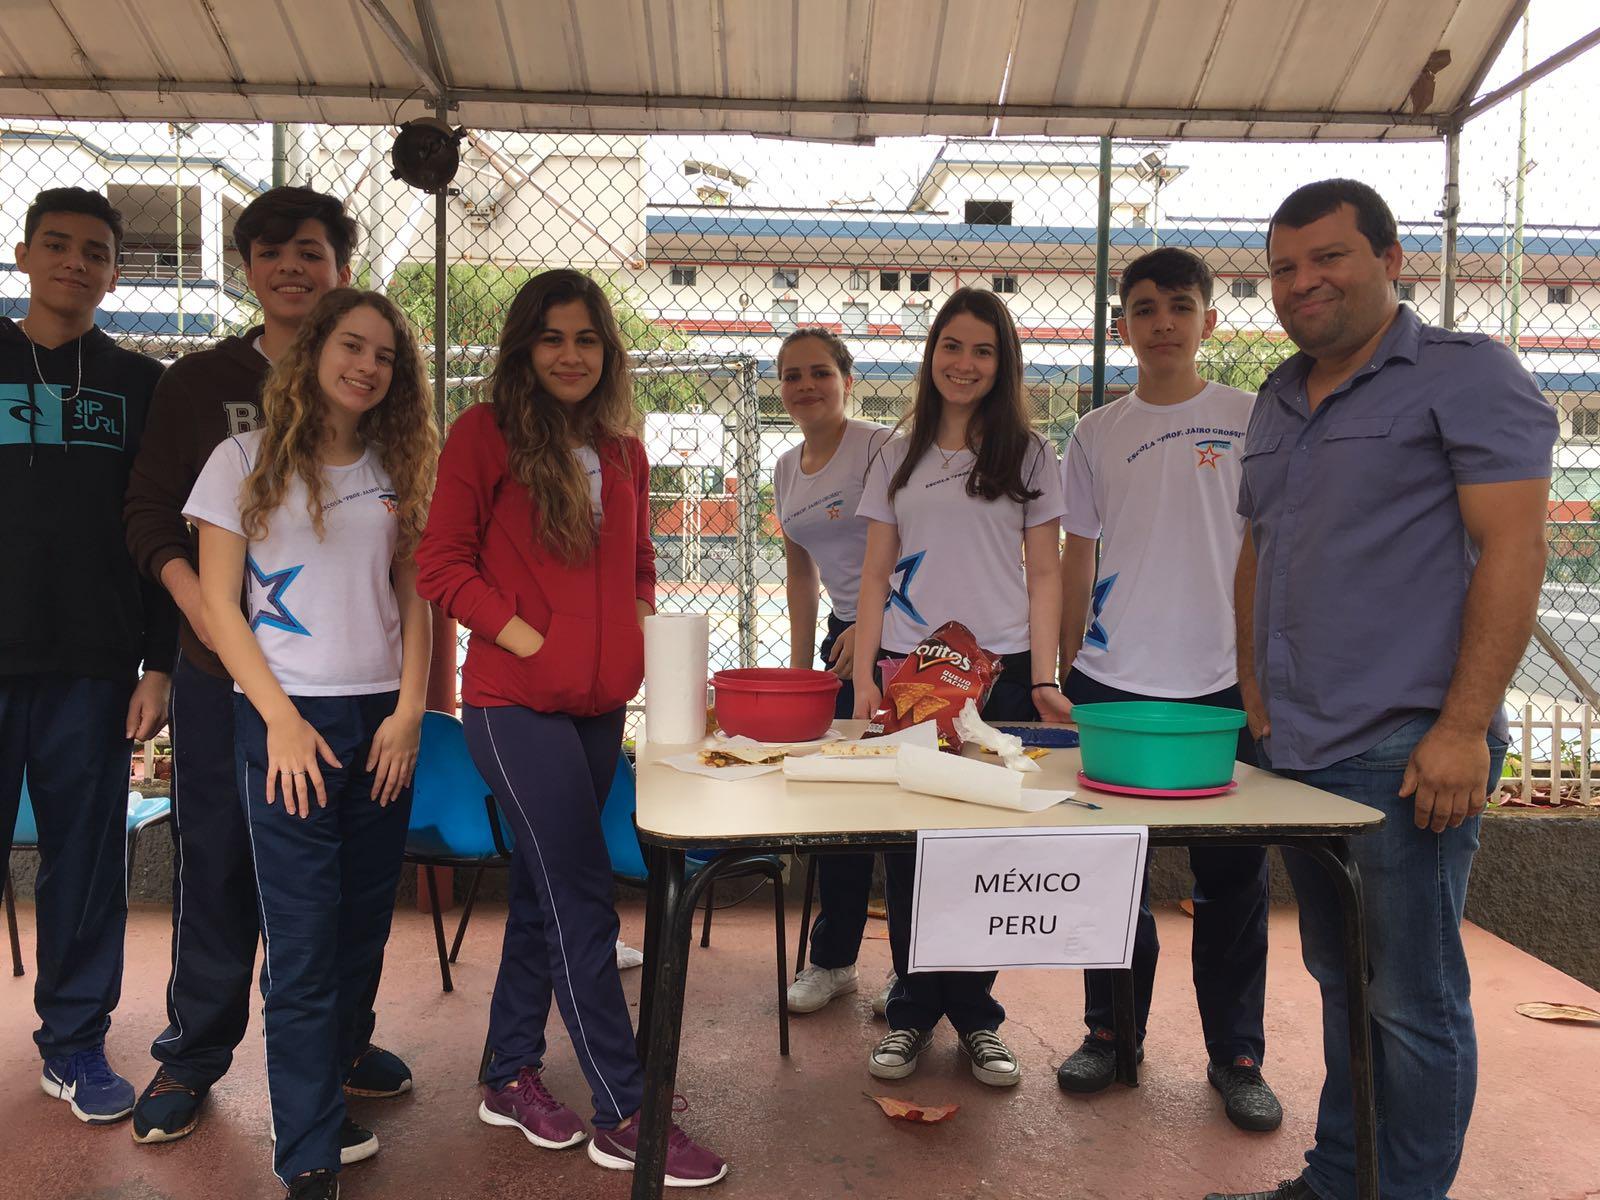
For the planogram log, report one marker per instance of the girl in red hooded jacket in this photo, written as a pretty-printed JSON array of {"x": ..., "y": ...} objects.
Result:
[{"x": 539, "y": 543}]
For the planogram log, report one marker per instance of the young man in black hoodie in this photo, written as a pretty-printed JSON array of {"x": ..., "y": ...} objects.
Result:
[
  {"x": 76, "y": 622},
  {"x": 296, "y": 246}
]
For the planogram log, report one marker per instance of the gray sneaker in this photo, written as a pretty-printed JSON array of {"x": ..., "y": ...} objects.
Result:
[
  {"x": 992, "y": 1060},
  {"x": 880, "y": 1002},
  {"x": 896, "y": 1056},
  {"x": 815, "y": 986}
]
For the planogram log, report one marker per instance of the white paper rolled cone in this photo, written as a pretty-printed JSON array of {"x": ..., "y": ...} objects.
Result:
[
  {"x": 675, "y": 665},
  {"x": 830, "y": 768},
  {"x": 938, "y": 774}
]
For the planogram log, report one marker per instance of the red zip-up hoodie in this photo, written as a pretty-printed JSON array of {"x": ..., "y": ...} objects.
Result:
[{"x": 481, "y": 562}]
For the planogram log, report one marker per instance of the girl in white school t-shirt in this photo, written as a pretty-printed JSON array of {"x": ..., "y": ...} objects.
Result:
[
  {"x": 964, "y": 524},
  {"x": 313, "y": 519},
  {"x": 817, "y": 486}
]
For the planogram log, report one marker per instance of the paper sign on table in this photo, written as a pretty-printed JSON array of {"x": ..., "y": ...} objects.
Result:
[
  {"x": 953, "y": 777},
  {"x": 986, "y": 899}
]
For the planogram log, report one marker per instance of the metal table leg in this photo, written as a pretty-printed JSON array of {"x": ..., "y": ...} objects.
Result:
[
  {"x": 661, "y": 1015},
  {"x": 657, "y": 866},
  {"x": 1126, "y": 1026},
  {"x": 1334, "y": 856}
]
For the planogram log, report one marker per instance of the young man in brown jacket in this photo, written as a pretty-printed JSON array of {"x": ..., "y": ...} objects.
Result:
[{"x": 296, "y": 246}]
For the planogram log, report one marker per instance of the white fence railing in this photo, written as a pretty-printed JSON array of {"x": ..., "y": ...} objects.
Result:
[{"x": 1554, "y": 755}]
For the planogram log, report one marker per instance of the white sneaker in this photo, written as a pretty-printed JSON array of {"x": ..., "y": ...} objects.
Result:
[
  {"x": 627, "y": 957},
  {"x": 815, "y": 986},
  {"x": 880, "y": 1002}
]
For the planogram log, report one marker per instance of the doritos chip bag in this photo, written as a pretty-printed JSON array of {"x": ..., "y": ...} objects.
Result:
[{"x": 947, "y": 669}]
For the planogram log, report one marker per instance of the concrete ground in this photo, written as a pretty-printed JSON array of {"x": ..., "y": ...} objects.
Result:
[{"x": 802, "y": 1127}]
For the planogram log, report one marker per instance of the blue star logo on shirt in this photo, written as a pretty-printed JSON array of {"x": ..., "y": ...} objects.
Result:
[
  {"x": 1097, "y": 635},
  {"x": 900, "y": 597},
  {"x": 276, "y": 584}
]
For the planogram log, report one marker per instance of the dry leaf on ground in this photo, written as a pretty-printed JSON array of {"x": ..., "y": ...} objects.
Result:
[
  {"x": 910, "y": 1110},
  {"x": 1540, "y": 1010}
]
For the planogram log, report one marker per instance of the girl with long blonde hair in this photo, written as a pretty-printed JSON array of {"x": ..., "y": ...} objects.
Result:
[
  {"x": 314, "y": 519},
  {"x": 539, "y": 543}
]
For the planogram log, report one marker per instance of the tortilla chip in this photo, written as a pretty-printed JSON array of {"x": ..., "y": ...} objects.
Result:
[
  {"x": 928, "y": 708},
  {"x": 907, "y": 695}
]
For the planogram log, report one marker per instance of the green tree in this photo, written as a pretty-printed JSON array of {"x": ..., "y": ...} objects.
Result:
[
  {"x": 1242, "y": 358},
  {"x": 478, "y": 296}
]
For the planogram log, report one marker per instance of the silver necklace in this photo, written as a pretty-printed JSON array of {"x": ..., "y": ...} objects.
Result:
[{"x": 38, "y": 370}]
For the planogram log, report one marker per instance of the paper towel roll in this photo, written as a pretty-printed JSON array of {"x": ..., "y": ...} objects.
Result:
[
  {"x": 938, "y": 774},
  {"x": 675, "y": 669}
]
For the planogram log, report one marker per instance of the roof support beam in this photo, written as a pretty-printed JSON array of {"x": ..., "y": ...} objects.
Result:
[
  {"x": 1529, "y": 77},
  {"x": 385, "y": 21},
  {"x": 645, "y": 103}
]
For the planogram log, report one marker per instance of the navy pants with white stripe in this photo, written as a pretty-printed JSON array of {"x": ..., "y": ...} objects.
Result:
[
  {"x": 215, "y": 926},
  {"x": 551, "y": 774},
  {"x": 327, "y": 891},
  {"x": 66, "y": 733}
]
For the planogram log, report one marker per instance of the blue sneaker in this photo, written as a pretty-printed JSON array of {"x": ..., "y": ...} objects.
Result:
[{"x": 85, "y": 1080}]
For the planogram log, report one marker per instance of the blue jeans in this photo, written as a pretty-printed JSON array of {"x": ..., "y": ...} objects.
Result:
[{"x": 1424, "y": 1047}]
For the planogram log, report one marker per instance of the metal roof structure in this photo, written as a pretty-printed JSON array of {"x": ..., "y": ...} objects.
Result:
[{"x": 847, "y": 70}]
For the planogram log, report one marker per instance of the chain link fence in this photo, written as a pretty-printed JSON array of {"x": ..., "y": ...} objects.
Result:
[{"x": 714, "y": 247}]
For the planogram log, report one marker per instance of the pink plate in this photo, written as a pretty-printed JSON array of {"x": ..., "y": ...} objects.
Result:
[{"x": 1116, "y": 789}]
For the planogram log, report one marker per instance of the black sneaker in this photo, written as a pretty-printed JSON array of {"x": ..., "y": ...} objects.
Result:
[
  {"x": 1248, "y": 1101},
  {"x": 378, "y": 1074},
  {"x": 356, "y": 1144},
  {"x": 167, "y": 1111},
  {"x": 1289, "y": 1189},
  {"x": 314, "y": 1185},
  {"x": 1093, "y": 1065}
]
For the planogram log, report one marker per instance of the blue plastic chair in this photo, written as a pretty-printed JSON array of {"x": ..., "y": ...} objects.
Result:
[
  {"x": 454, "y": 823},
  {"x": 143, "y": 812},
  {"x": 628, "y": 865}
]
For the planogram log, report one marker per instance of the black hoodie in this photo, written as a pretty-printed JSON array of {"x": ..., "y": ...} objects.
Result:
[{"x": 71, "y": 601}]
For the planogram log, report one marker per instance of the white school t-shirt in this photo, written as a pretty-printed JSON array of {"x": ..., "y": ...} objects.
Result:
[
  {"x": 818, "y": 511},
  {"x": 960, "y": 556},
  {"x": 1157, "y": 484},
  {"x": 589, "y": 461},
  {"x": 324, "y": 612}
]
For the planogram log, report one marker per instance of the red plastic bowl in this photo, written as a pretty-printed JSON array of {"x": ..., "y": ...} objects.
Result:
[{"x": 775, "y": 704}]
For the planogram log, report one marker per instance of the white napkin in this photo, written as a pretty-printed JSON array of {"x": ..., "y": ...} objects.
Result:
[
  {"x": 690, "y": 763},
  {"x": 1008, "y": 746},
  {"x": 955, "y": 778},
  {"x": 835, "y": 765}
]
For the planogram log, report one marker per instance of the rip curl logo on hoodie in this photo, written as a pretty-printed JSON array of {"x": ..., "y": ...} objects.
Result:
[{"x": 39, "y": 415}]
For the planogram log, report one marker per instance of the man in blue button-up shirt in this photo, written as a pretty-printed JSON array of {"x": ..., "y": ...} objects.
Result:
[{"x": 1396, "y": 479}]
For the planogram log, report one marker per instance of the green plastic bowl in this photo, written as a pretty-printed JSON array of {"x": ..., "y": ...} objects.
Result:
[{"x": 1158, "y": 744}]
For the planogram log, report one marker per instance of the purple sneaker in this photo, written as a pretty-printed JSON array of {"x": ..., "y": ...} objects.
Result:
[
  {"x": 688, "y": 1164},
  {"x": 525, "y": 1104}
]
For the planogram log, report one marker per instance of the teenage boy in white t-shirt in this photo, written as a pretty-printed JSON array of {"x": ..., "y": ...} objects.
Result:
[{"x": 1154, "y": 477}]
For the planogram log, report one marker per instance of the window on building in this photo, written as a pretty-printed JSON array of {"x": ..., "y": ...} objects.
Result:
[
  {"x": 770, "y": 408},
  {"x": 785, "y": 315},
  {"x": 1243, "y": 289},
  {"x": 853, "y": 315},
  {"x": 860, "y": 280},
  {"x": 888, "y": 281},
  {"x": 914, "y": 317},
  {"x": 1003, "y": 283},
  {"x": 988, "y": 212},
  {"x": 1558, "y": 293},
  {"x": 785, "y": 277},
  {"x": 921, "y": 281},
  {"x": 1586, "y": 424},
  {"x": 1114, "y": 334},
  {"x": 1405, "y": 291},
  {"x": 684, "y": 276}
]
